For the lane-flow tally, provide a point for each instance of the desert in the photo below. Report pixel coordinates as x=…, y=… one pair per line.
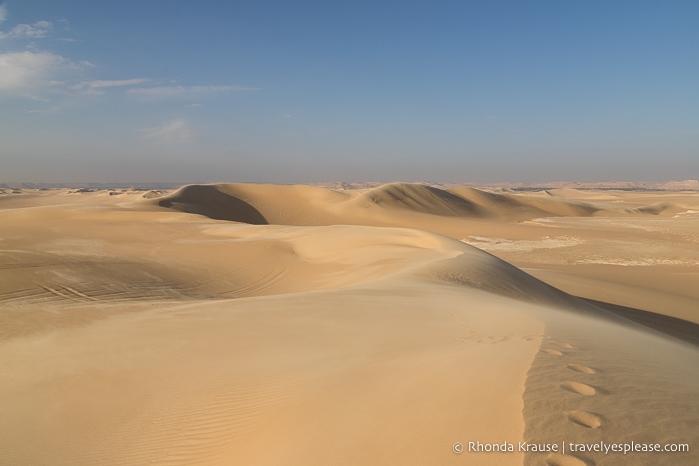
x=273, y=324
x=349, y=233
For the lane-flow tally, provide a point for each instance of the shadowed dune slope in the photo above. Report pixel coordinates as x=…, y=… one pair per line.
x=212, y=202
x=659, y=208
x=258, y=204
x=676, y=328
x=423, y=199
x=482, y=271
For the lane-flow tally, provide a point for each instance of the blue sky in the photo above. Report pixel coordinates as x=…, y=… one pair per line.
x=292, y=92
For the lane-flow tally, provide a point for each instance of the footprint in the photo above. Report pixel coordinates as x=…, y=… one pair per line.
x=580, y=368
x=557, y=459
x=579, y=388
x=552, y=351
x=561, y=344
x=585, y=419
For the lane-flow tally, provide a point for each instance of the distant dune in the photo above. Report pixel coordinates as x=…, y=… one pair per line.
x=303, y=325
x=388, y=204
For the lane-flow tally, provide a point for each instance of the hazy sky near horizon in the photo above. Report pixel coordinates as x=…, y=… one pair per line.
x=305, y=91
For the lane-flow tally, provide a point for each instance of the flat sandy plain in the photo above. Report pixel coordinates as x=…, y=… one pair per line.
x=298, y=325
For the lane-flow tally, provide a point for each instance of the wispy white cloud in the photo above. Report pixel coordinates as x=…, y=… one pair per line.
x=32, y=31
x=193, y=106
x=183, y=90
x=29, y=31
x=33, y=71
x=117, y=82
x=174, y=131
x=97, y=87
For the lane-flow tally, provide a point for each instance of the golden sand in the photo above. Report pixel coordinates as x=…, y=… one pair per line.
x=297, y=325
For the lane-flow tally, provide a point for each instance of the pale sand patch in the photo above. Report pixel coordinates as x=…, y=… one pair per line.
x=640, y=262
x=503, y=244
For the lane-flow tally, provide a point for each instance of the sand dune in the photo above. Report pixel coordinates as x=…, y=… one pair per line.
x=423, y=199
x=261, y=325
x=511, y=206
x=306, y=205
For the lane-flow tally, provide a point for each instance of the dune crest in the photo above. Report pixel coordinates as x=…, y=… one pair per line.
x=393, y=204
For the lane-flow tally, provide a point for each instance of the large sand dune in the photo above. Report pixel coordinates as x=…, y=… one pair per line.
x=306, y=205
x=266, y=325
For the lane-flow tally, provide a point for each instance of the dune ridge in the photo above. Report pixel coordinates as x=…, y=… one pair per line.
x=307, y=205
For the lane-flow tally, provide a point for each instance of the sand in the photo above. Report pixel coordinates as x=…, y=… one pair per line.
x=298, y=325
